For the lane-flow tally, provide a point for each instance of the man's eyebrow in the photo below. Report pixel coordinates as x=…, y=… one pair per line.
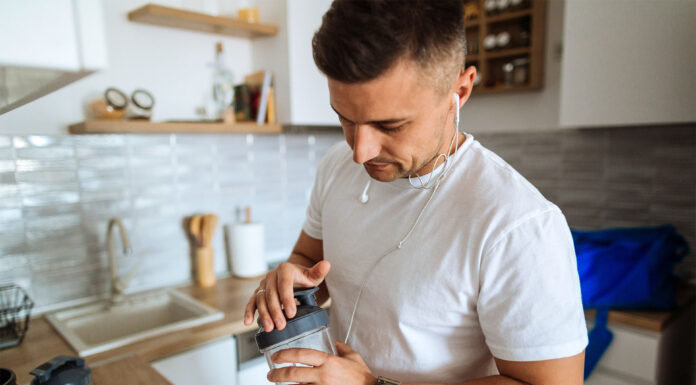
x=377, y=122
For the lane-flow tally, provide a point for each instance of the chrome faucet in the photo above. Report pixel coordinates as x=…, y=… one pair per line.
x=118, y=286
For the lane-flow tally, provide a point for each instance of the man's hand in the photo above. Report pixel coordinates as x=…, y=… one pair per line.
x=277, y=288
x=348, y=368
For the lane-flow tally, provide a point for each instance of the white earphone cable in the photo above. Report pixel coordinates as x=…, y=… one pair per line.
x=438, y=180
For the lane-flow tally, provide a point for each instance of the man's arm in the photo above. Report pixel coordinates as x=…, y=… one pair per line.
x=561, y=371
x=305, y=268
x=348, y=368
x=308, y=252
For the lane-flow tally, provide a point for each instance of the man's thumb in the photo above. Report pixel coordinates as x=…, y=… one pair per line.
x=319, y=271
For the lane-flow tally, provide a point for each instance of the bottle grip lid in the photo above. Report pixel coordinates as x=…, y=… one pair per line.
x=309, y=316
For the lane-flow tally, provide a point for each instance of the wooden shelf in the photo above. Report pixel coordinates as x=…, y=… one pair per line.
x=507, y=52
x=489, y=64
x=147, y=127
x=508, y=16
x=501, y=90
x=471, y=23
x=196, y=21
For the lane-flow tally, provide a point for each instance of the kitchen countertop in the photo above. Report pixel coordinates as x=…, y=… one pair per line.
x=42, y=342
x=131, y=370
x=229, y=295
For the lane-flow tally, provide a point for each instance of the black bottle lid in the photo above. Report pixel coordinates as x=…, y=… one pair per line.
x=62, y=370
x=309, y=316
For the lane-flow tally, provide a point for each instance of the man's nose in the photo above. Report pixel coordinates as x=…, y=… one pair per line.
x=366, y=143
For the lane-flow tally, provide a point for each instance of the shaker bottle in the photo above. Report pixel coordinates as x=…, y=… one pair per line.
x=308, y=329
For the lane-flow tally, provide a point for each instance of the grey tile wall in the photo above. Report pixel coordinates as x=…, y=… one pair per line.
x=57, y=194
x=614, y=177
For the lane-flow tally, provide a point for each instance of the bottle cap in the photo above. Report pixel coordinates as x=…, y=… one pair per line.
x=309, y=317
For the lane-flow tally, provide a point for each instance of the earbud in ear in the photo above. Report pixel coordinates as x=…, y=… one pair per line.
x=456, y=110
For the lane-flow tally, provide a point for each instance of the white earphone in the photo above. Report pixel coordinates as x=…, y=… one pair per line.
x=364, y=198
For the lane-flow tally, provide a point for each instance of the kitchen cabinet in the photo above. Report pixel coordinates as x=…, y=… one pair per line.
x=524, y=26
x=229, y=361
x=214, y=363
x=46, y=44
x=628, y=62
x=638, y=355
x=252, y=368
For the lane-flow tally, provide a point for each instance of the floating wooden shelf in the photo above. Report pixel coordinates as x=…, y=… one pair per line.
x=507, y=52
x=147, y=127
x=501, y=89
x=508, y=16
x=471, y=23
x=196, y=21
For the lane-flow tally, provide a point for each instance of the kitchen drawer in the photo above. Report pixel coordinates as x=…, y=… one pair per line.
x=251, y=364
x=214, y=363
x=633, y=353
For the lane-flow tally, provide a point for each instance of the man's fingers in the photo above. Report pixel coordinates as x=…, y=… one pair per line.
x=250, y=309
x=292, y=374
x=265, y=318
x=319, y=271
x=286, y=273
x=251, y=305
x=342, y=348
x=312, y=276
x=273, y=304
x=346, y=351
x=309, y=357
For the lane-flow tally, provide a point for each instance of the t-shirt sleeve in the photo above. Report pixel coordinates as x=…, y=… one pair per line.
x=313, y=225
x=529, y=304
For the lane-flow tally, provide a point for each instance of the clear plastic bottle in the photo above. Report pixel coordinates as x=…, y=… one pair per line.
x=223, y=83
x=309, y=329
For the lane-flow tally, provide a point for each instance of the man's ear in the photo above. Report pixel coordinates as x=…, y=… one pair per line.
x=465, y=84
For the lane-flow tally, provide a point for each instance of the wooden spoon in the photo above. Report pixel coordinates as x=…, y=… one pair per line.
x=209, y=223
x=195, y=230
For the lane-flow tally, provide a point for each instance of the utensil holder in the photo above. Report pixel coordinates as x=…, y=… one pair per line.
x=203, y=267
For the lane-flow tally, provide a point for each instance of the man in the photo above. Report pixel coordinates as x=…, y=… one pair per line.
x=464, y=272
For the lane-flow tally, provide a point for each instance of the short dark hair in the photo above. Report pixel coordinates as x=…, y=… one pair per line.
x=359, y=40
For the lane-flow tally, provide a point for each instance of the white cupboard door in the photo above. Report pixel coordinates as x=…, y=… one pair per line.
x=211, y=364
x=38, y=33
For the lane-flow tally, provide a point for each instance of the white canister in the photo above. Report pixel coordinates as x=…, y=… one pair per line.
x=245, y=249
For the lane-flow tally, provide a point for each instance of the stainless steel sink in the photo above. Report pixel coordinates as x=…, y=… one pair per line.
x=101, y=326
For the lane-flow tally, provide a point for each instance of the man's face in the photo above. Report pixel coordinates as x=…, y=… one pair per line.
x=396, y=124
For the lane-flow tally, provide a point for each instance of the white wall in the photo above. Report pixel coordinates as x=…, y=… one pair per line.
x=303, y=94
x=309, y=91
x=170, y=63
x=629, y=62
x=530, y=111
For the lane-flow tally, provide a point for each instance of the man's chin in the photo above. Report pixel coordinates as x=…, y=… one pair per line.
x=386, y=175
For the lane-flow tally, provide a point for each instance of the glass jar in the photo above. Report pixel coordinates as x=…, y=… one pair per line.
x=520, y=71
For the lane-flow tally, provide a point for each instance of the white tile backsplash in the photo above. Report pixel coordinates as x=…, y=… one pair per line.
x=57, y=194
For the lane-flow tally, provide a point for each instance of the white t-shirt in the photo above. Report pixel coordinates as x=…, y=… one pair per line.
x=489, y=270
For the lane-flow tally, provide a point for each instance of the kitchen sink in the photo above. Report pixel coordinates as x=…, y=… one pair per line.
x=101, y=326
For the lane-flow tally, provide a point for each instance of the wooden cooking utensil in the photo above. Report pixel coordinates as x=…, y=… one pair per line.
x=203, y=226
x=195, y=230
x=208, y=225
